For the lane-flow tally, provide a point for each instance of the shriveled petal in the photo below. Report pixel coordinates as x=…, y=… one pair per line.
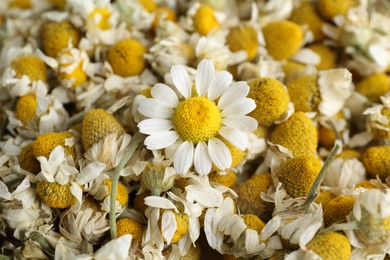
x=90, y=172
x=161, y=140
x=183, y=157
x=219, y=154
x=181, y=80
x=204, y=76
x=219, y=84
x=154, y=125
x=155, y=109
x=168, y=225
x=242, y=123
x=235, y=137
x=207, y=197
x=165, y=94
x=235, y=93
x=243, y=107
x=202, y=160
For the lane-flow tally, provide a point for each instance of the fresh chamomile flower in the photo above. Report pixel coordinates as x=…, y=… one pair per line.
x=327, y=55
x=197, y=119
x=126, y=57
x=374, y=86
x=375, y=160
x=249, y=200
x=306, y=14
x=298, y=175
x=305, y=137
x=330, y=8
x=283, y=39
x=57, y=36
x=97, y=123
x=271, y=98
x=243, y=37
x=336, y=210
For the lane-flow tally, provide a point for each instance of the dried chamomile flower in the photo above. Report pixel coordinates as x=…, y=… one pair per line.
x=376, y=161
x=25, y=109
x=229, y=179
x=348, y=154
x=332, y=245
x=324, y=197
x=149, y=5
x=336, y=210
x=326, y=54
x=55, y=195
x=249, y=200
x=28, y=161
x=243, y=37
x=122, y=196
x=283, y=39
x=163, y=13
x=158, y=176
x=205, y=20
x=331, y=8
x=45, y=144
x=72, y=67
x=126, y=226
x=374, y=86
x=298, y=134
x=30, y=66
x=304, y=93
x=298, y=175
x=306, y=14
x=98, y=123
x=57, y=36
x=271, y=100
x=126, y=57
x=181, y=226
x=139, y=201
x=293, y=70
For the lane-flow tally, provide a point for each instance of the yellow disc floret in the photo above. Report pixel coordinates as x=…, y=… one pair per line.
x=298, y=175
x=163, y=13
x=30, y=66
x=306, y=14
x=324, y=197
x=249, y=200
x=243, y=37
x=182, y=226
x=205, y=20
x=293, y=70
x=228, y=180
x=379, y=132
x=55, y=195
x=57, y=35
x=327, y=56
x=77, y=75
x=367, y=184
x=25, y=108
x=46, y=143
x=126, y=226
x=376, y=159
x=127, y=57
x=374, y=86
x=283, y=39
x=121, y=194
x=331, y=246
x=22, y=4
x=97, y=123
x=348, y=154
x=149, y=5
x=28, y=161
x=271, y=100
x=331, y=8
x=337, y=209
x=100, y=17
x=197, y=119
x=253, y=222
x=304, y=93
x=298, y=134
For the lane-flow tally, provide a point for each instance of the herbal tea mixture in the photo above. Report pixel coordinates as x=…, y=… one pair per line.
x=169, y=129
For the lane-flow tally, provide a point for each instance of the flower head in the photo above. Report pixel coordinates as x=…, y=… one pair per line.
x=205, y=20
x=193, y=120
x=330, y=8
x=376, y=159
x=307, y=14
x=374, y=86
x=331, y=245
x=28, y=161
x=243, y=37
x=55, y=195
x=129, y=226
x=337, y=209
x=25, y=109
x=326, y=54
x=31, y=66
x=45, y=144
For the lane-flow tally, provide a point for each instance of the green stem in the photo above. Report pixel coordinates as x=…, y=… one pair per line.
x=313, y=191
x=43, y=243
x=136, y=139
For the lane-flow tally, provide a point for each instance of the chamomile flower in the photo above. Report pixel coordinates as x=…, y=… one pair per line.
x=379, y=119
x=197, y=118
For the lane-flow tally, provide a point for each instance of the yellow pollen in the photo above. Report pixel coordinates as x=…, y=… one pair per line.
x=22, y=4
x=204, y=20
x=197, y=119
x=30, y=66
x=126, y=226
x=25, y=108
x=55, y=195
x=100, y=17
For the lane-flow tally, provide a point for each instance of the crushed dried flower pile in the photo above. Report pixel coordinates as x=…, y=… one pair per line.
x=175, y=129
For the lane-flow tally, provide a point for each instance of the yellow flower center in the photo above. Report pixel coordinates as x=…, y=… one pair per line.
x=22, y=4
x=30, y=66
x=101, y=15
x=204, y=20
x=197, y=119
x=25, y=108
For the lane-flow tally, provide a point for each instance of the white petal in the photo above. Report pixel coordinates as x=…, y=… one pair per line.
x=154, y=125
x=242, y=123
x=219, y=153
x=204, y=76
x=243, y=107
x=183, y=157
x=219, y=84
x=161, y=140
x=153, y=108
x=202, y=159
x=194, y=229
x=159, y=202
x=235, y=93
x=207, y=197
x=90, y=172
x=235, y=137
x=168, y=225
x=165, y=94
x=115, y=249
x=181, y=80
